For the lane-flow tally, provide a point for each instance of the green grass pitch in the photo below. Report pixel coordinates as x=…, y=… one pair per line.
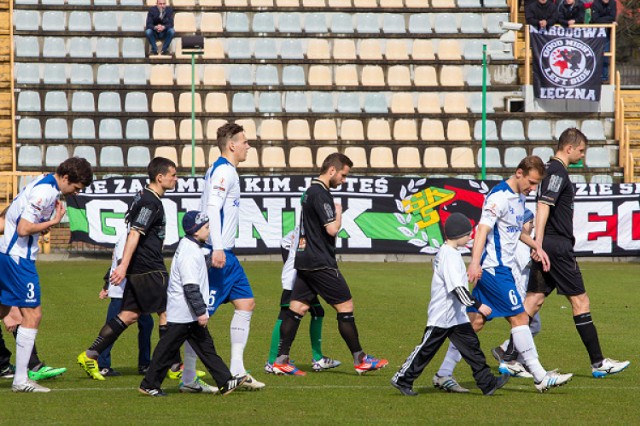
x=391, y=304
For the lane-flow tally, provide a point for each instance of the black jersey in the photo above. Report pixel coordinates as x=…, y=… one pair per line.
x=556, y=190
x=146, y=215
x=316, y=248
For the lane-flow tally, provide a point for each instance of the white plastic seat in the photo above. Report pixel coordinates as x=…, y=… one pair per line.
x=132, y=21
x=473, y=75
x=492, y=158
x=105, y=21
x=289, y=23
x=291, y=49
x=107, y=48
x=81, y=74
x=80, y=47
x=56, y=101
x=82, y=102
x=53, y=20
x=513, y=155
x=53, y=47
x=577, y=178
x=26, y=20
x=315, y=23
x=375, y=103
x=544, y=152
x=241, y=75
x=263, y=23
x=597, y=156
x=270, y=102
x=267, y=75
x=29, y=128
x=237, y=22
x=55, y=155
x=30, y=156
x=473, y=50
x=512, y=130
x=138, y=156
x=243, y=102
x=86, y=152
x=445, y=23
x=468, y=3
x=238, y=48
x=393, y=23
x=349, y=102
x=27, y=73
x=133, y=48
x=110, y=128
x=293, y=75
x=493, y=22
x=56, y=128
x=136, y=102
x=475, y=103
x=602, y=179
x=322, y=102
x=79, y=21
x=135, y=74
x=109, y=102
x=83, y=128
x=562, y=125
x=539, y=130
x=27, y=46
x=491, y=130
x=111, y=156
x=593, y=130
x=28, y=101
x=137, y=128
x=108, y=74
x=341, y=23
x=266, y=48
x=420, y=23
x=500, y=50
x=471, y=23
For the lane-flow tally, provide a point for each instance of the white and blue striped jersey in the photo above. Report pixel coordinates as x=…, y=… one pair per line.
x=503, y=212
x=221, y=201
x=36, y=203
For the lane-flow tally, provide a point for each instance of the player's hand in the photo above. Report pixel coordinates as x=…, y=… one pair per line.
x=218, y=259
x=338, y=209
x=103, y=294
x=60, y=211
x=203, y=320
x=474, y=272
x=542, y=256
x=12, y=320
x=118, y=275
x=485, y=310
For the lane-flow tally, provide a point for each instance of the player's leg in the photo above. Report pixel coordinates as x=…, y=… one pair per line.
x=25, y=341
x=191, y=381
x=319, y=361
x=285, y=299
x=6, y=369
x=104, y=359
x=432, y=340
x=241, y=296
x=145, y=329
x=289, y=329
x=464, y=337
x=163, y=357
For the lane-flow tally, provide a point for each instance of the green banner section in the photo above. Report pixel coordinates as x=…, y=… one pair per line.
x=78, y=219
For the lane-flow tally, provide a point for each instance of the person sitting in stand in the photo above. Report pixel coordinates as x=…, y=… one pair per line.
x=570, y=12
x=160, y=27
x=541, y=14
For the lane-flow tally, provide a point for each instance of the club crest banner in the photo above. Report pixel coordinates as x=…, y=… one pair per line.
x=567, y=62
x=380, y=214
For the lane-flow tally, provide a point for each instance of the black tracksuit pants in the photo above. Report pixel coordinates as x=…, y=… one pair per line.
x=169, y=345
x=464, y=339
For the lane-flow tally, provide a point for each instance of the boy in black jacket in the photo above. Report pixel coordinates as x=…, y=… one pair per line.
x=541, y=14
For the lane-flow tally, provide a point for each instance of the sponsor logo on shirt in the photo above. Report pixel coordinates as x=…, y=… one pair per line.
x=491, y=209
x=328, y=210
x=144, y=216
x=554, y=183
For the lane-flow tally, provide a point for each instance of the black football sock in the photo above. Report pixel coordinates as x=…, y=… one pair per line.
x=288, y=330
x=589, y=335
x=109, y=334
x=34, y=361
x=510, y=354
x=5, y=353
x=349, y=333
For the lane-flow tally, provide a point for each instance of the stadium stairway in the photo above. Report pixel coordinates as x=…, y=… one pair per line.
x=632, y=120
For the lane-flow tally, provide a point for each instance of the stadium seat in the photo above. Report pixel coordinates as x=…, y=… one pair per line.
x=184, y=132
x=185, y=104
x=167, y=152
x=135, y=74
x=352, y=130
x=86, y=152
x=349, y=102
x=108, y=74
x=53, y=20
x=344, y=49
x=562, y=125
x=513, y=155
x=300, y=157
x=341, y=23
x=375, y=103
x=593, y=130
x=271, y=130
x=56, y=128
x=346, y=75
x=27, y=73
x=372, y=75
x=320, y=75
x=432, y=130
x=425, y=75
x=458, y=130
x=163, y=102
x=499, y=50
x=322, y=153
x=53, y=47
x=370, y=49
x=315, y=23
x=544, y=152
x=445, y=23
x=241, y=75
x=602, y=179
x=138, y=157
x=402, y=103
x=184, y=22
x=471, y=23
x=164, y=129
x=27, y=46
x=29, y=156
x=56, y=102
x=597, y=156
x=26, y=20
x=473, y=75
x=136, y=102
x=393, y=23
x=267, y=75
x=293, y=75
x=79, y=47
x=211, y=22
x=263, y=23
x=55, y=155
x=79, y=21
x=449, y=50
x=492, y=157
x=455, y=103
x=81, y=74
x=83, y=128
x=420, y=23
x=493, y=22
x=577, y=178
x=321, y=102
x=29, y=128
x=238, y=48
x=405, y=130
x=289, y=23
x=298, y=130
x=273, y=157
x=161, y=75
x=408, y=157
x=475, y=103
x=214, y=75
x=378, y=130
x=358, y=155
x=318, y=49
x=110, y=128
x=399, y=75
x=512, y=130
x=132, y=21
x=381, y=157
x=105, y=21
x=215, y=124
x=296, y=102
x=184, y=75
x=111, y=156
x=539, y=130
x=216, y=102
x=443, y=4
x=249, y=128
x=435, y=157
x=491, y=131
x=462, y=157
x=109, y=102
x=429, y=103
x=325, y=130
x=473, y=50
x=28, y=101
x=213, y=49
x=187, y=155
x=469, y=3
x=252, y=160
x=291, y=49
x=237, y=22
x=107, y=48
x=422, y=50
x=270, y=102
x=137, y=128
x=451, y=75
x=214, y=154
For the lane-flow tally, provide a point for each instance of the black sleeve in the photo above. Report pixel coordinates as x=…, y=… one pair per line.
x=530, y=15
x=142, y=219
x=466, y=298
x=106, y=279
x=168, y=18
x=553, y=16
x=194, y=299
x=324, y=208
x=150, y=19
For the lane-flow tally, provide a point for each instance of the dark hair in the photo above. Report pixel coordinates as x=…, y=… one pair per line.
x=159, y=166
x=532, y=162
x=226, y=132
x=77, y=170
x=337, y=160
x=571, y=136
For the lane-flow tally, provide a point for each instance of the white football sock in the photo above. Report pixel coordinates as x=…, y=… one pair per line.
x=523, y=342
x=451, y=359
x=504, y=345
x=24, y=345
x=239, y=335
x=189, y=370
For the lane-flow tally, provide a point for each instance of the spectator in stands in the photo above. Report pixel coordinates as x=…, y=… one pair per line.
x=604, y=12
x=541, y=14
x=571, y=12
x=160, y=26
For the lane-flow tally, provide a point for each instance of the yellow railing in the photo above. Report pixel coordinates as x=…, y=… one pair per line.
x=611, y=53
x=9, y=184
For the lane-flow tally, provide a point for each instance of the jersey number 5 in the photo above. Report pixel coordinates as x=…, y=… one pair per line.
x=212, y=298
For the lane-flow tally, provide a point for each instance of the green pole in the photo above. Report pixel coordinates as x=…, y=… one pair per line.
x=484, y=112
x=193, y=114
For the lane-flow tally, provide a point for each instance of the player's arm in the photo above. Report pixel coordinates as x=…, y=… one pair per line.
x=538, y=254
x=29, y=221
x=218, y=192
x=474, y=272
x=542, y=216
x=334, y=227
x=196, y=303
x=463, y=295
x=130, y=247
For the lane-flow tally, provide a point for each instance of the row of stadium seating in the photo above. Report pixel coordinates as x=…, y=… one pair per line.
x=265, y=22
x=302, y=156
x=381, y=4
x=299, y=130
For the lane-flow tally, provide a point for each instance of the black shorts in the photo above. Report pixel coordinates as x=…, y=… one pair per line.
x=328, y=283
x=285, y=299
x=564, y=275
x=146, y=293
